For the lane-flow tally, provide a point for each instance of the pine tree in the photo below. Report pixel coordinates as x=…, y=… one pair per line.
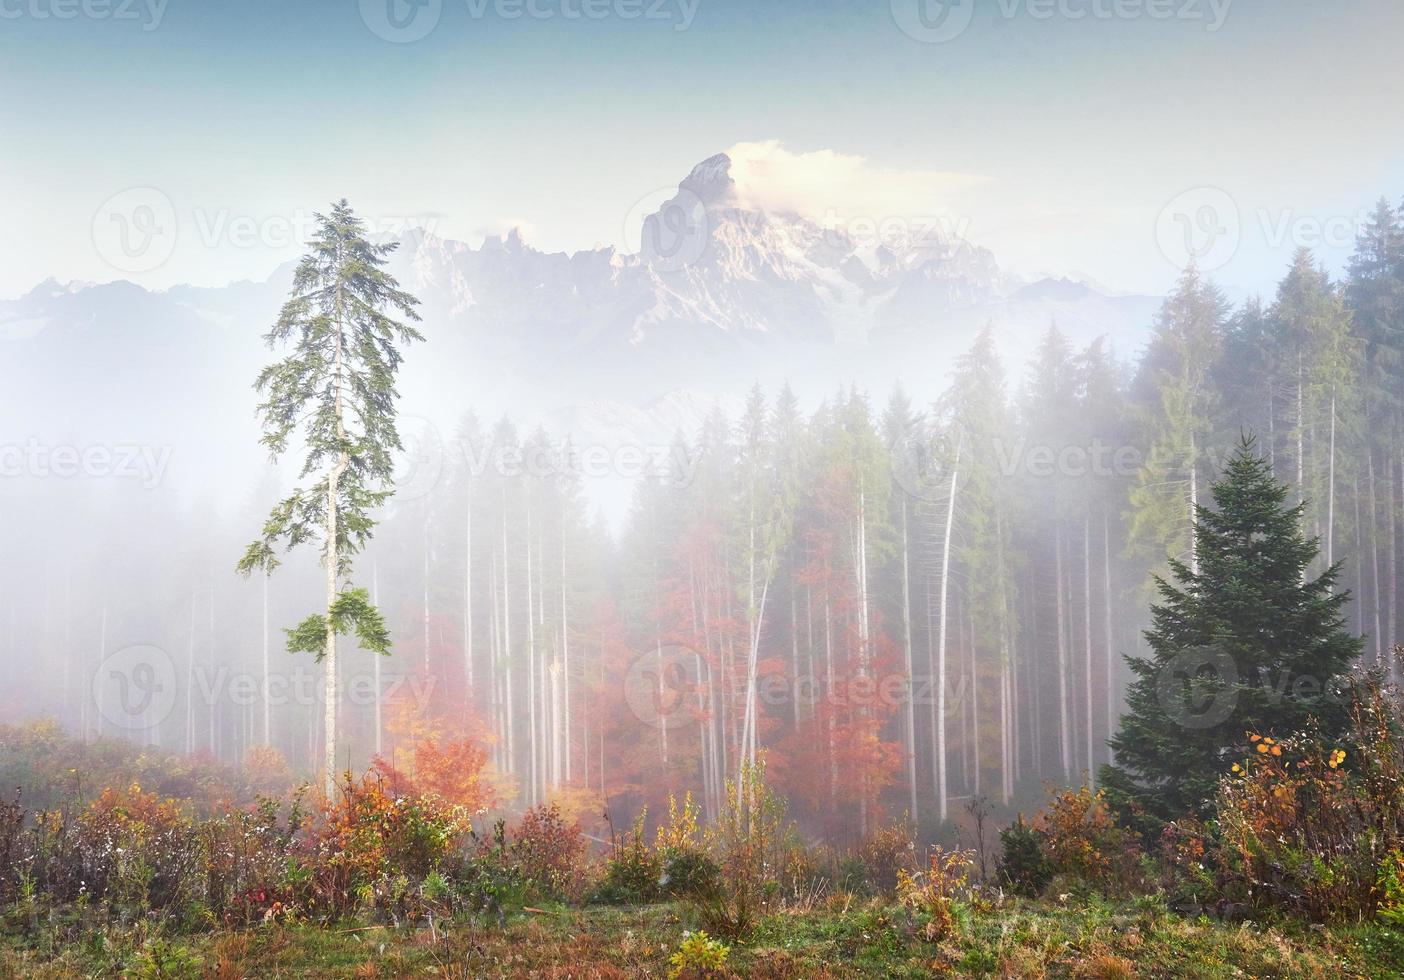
x=337, y=386
x=1245, y=644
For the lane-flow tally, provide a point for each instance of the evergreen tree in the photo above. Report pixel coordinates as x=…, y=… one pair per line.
x=1177, y=407
x=337, y=387
x=1246, y=644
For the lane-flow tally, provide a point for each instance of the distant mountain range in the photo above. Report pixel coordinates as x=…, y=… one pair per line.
x=720, y=296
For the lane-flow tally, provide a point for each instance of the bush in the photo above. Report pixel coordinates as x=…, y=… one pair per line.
x=369, y=843
x=748, y=842
x=550, y=853
x=885, y=854
x=1023, y=866
x=1083, y=841
x=933, y=893
x=1314, y=828
x=698, y=956
x=686, y=867
x=632, y=870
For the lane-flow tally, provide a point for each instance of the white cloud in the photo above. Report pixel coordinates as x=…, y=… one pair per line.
x=829, y=186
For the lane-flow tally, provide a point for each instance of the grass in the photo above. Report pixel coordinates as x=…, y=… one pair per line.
x=848, y=938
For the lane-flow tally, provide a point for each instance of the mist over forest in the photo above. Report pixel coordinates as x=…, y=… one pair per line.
x=697, y=489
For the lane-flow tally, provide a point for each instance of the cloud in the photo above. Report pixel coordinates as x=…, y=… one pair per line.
x=829, y=186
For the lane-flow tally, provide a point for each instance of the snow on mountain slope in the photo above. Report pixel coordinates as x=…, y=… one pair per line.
x=597, y=344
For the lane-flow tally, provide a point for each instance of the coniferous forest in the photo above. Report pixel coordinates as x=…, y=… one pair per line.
x=778, y=587
x=1119, y=623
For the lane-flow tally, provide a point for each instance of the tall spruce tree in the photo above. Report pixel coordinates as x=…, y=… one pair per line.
x=1246, y=644
x=336, y=391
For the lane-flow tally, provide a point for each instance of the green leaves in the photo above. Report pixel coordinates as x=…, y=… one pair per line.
x=335, y=392
x=1246, y=643
x=352, y=612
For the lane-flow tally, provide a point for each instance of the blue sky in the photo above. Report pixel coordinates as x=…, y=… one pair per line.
x=1071, y=124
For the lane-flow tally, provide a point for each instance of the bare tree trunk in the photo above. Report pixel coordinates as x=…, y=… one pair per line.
x=468, y=598
x=425, y=577
x=189, y=688
x=1087, y=647
x=1107, y=631
x=1392, y=610
x=1331, y=488
x=910, y=721
x=533, y=789
x=940, y=761
x=1193, y=506
x=1064, y=736
x=376, y=658
x=1006, y=759
x=1375, y=556
x=507, y=643
x=565, y=653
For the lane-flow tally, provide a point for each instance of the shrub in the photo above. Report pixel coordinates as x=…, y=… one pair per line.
x=748, y=842
x=697, y=957
x=490, y=881
x=886, y=853
x=632, y=870
x=1312, y=827
x=368, y=839
x=550, y=852
x=1023, y=866
x=1083, y=840
x=934, y=892
x=686, y=867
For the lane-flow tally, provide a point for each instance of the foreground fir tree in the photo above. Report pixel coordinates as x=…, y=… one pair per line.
x=336, y=391
x=1247, y=643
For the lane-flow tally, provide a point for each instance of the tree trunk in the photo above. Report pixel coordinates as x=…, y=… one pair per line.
x=468, y=599
x=379, y=686
x=1107, y=630
x=565, y=656
x=1087, y=647
x=1064, y=736
x=940, y=760
x=1193, y=506
x=1331, y=488
x=1375, y=556
x=910, y=720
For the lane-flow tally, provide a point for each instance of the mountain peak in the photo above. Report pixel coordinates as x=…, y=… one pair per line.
x=711, y=179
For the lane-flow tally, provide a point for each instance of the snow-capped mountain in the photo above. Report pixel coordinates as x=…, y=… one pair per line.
x=719, y=296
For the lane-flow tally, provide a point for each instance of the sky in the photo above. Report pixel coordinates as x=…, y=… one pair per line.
x=1105, y=138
